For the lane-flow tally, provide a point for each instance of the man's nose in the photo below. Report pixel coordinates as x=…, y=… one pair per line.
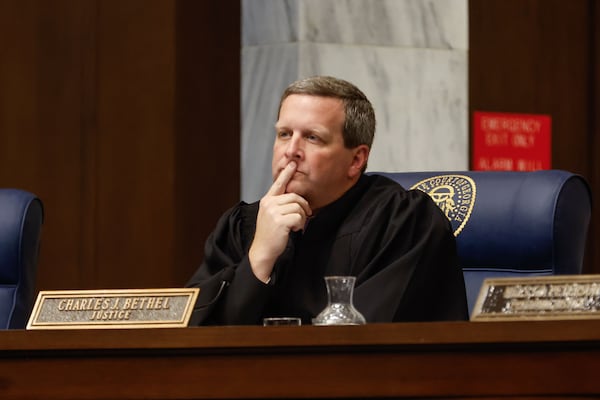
x=294, y=148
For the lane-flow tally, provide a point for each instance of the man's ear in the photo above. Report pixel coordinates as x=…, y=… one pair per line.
x=359, y=160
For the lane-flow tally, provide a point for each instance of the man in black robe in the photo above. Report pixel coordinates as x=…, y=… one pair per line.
x=323, y=216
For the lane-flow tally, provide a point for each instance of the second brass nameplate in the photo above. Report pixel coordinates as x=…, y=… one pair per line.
x=539, y=298
x=109, y=309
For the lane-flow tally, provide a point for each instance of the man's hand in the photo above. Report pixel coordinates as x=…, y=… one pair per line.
x=279, y=214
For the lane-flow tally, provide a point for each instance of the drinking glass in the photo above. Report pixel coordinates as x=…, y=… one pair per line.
x=291, y=321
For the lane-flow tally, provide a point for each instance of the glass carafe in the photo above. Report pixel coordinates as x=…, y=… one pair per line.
x=340, y=309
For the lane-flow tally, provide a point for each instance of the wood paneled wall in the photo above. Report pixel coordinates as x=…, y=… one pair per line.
x=123, y=116
x=594, y=138
x=542, y=57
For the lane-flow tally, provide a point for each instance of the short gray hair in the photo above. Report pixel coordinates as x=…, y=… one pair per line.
x=359, y=121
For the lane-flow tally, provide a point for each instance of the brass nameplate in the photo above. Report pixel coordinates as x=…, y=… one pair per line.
x=112, y=309
x=538, y=298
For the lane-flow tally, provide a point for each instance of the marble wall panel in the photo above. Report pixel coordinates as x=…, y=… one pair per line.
x=399, y=23
x=270, y=21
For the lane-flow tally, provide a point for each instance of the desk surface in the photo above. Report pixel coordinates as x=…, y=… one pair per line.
x=435, y=360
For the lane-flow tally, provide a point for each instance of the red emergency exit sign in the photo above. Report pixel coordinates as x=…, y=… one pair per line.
x=511, y=142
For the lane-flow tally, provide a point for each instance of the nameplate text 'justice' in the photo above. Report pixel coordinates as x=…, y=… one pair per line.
x=115, y=308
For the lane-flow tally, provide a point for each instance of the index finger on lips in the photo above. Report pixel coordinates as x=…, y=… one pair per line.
x=278, y=187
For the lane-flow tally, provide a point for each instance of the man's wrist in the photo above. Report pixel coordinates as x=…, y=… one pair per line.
x=261, y=268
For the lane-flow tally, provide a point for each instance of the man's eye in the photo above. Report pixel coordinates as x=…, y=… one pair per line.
x=313, y=138
x=283, y=135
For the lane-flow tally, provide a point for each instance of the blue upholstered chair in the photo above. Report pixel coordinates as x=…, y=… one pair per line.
x=510, y=224
x=21, y=216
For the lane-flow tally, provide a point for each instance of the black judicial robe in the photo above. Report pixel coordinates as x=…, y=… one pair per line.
x=396, y=242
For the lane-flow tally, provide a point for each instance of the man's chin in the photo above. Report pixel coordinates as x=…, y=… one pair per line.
x=295, y=187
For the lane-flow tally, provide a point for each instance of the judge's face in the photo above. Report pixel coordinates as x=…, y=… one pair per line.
x=309, y=132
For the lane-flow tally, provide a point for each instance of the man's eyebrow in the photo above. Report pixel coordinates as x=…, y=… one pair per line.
x=319, y=130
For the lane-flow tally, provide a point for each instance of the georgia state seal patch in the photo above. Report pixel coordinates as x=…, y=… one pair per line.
x=454, y=195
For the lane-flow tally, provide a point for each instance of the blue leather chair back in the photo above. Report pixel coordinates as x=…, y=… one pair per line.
x=21, y=216
x=510, y=224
